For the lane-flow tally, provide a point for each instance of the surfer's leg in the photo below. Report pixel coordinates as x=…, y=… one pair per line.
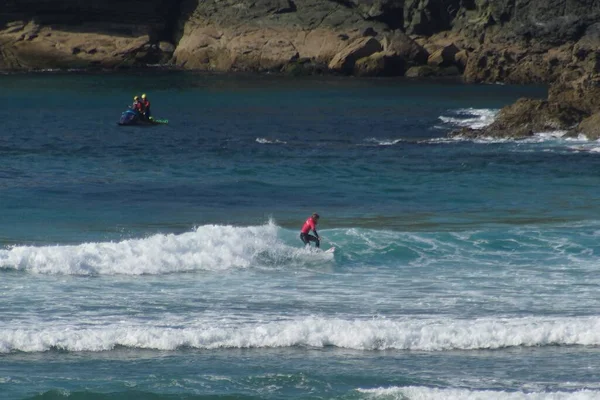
x=314, y=239
x=305, y=239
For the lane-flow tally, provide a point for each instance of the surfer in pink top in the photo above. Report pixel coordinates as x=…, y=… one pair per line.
x=310, y=224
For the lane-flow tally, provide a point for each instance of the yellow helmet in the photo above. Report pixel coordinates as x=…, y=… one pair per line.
x=136, y=98
x=144, y=96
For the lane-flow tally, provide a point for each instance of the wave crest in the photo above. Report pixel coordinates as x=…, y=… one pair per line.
x=380, y=334
x=470, y=117
x=209, y=247
x=416, y=392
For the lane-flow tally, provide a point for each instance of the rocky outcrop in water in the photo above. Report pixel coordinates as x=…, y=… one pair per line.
x=526, y=117
x=527, y=41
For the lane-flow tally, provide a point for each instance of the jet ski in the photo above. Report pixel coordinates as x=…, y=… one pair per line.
x=133, y=117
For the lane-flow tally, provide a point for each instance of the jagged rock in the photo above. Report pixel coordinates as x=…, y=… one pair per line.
x=15, y=26
x=425, y=17
x=369, y=32
x=590, y=126
x=380, y=64
x=344, y=60
x=426, y=71
x=73, y=34
x=443, y=57
x=526, y=117
x=582, y=93
x=460, y=59
x=265, y=34
x=590, y=41
x=403, y=46
x=166, y=47
x=389, y=12
x=304, y=66
x=467, y=133
x=53, y=48
x=511, y=65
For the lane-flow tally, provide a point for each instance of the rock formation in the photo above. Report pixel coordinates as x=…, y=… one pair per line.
x=52, y=34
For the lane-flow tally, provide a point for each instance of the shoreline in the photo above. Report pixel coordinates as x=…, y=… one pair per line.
x=151, y=70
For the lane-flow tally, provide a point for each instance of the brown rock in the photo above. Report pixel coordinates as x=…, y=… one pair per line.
x=49, y=47
x=590, y=127
x=582, y=93
x=425, y=71
x=443, y=57
x=403, y=46
x=528, y=116
x=166, y=47
x=509, y=65
x=589, y=42
x=304, y=66
x=249, y=48
x=344, y=60
x=461, y=58
x=380, y=64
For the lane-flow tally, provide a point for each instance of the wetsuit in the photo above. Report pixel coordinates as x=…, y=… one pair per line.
x=307, y=227
x=146, y=103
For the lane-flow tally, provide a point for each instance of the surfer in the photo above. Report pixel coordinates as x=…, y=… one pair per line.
x=310, y=224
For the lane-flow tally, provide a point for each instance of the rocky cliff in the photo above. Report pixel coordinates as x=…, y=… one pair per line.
x=503, y=40
x=514, y=41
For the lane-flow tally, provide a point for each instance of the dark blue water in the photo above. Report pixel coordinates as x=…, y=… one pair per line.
x=164, y=261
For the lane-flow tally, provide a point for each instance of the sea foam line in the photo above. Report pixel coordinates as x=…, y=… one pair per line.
x=380, y=334
x=270, y=141
x=383, y=142
x=422, y=393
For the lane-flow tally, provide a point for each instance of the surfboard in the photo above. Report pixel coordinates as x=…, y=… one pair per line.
x=330, y=250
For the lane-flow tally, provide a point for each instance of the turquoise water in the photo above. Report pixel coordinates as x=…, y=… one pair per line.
x=164, y=262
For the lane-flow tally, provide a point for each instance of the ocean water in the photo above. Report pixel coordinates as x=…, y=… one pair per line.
x=164, y=262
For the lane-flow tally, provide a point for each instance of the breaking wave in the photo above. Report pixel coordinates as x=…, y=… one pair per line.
x=379, y=334
x=474, y=118
x=419, y=393
x=209, y=247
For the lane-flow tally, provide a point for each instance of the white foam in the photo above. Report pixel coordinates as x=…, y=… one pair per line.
x=425, y=393
x=209, y=247
x=475, y=118
x=373, y=334
x=383, y=142
x=539, y=137
x=270, y=141
x=588, y=148
x=546, y=136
